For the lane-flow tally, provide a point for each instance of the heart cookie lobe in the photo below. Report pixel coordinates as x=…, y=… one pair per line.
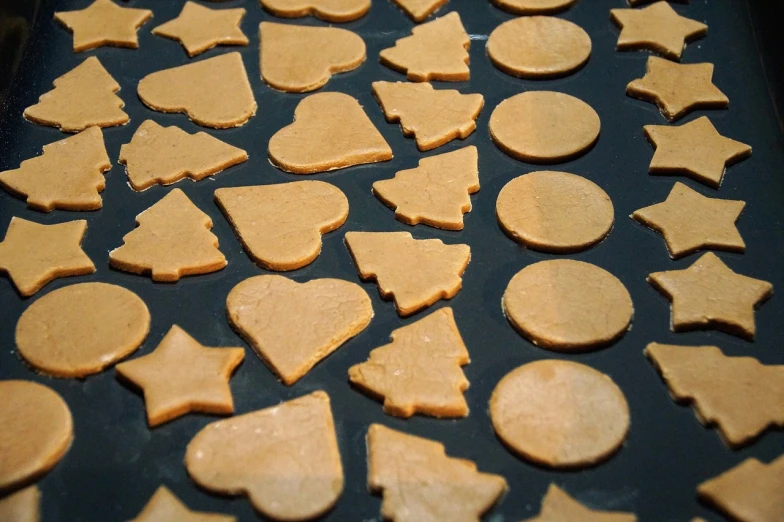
x=327, y=10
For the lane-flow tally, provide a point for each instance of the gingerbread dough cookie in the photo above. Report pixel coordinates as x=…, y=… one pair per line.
x=418, y=10
x=284, y=458
x=200, y=28
x=22, y=506
x=104, y=23
x=330, y=131
x=532, y=7
x=165, y=506
x=280, y=226
x=558, y=506
x=656, y=27
x=327, y=10
x=554, y=212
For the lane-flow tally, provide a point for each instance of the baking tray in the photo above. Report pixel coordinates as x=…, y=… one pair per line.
x=116, y=462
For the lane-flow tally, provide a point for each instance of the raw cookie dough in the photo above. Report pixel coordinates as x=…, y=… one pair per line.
x=271, y=311
x=532, y=7
x=559, y=414
x=327, y=10
x=104, y=23
x=22, y=506
x=567, y=306
x=301, y=58
x=200, y=28
x=558, y=506
x=281, y=225
x=330, y=131
x=164, y=506
x=418, y=10
x=544, y=126
x=538, y=47
x=656, y=27
x=284, y=458
x=554, y=212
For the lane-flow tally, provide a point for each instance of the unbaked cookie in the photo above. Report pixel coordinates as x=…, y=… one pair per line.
x=531, y=7
x=327, y=10
x=558, y=506
x=22, y=506
x=418, y=10
x=104, y=23
x=200, y=28
x=164, y=506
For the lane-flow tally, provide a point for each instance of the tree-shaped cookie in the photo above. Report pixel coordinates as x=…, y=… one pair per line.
x=173, y=239
x=418, y=10
x=436, y=193
x=164, y=505
x=414, y=272
x=558, y=506
x=420, y=483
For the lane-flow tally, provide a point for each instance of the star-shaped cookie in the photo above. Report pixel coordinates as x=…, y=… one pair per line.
x=182, y=376
x=33, y=254
x=164, y=505
x=200, y=28
x=690, y=221
x=695, y=149
x=656, y=27
x=678, y=88
x=709, y=294
x=104, y=23
x=557, y=505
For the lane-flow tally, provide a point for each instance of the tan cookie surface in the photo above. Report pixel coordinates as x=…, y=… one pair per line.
x=200, y=28
x=165, y=506
x=301, y=58
x=284, y=458
x=418, y=10
x=414, y=272
x=538, y=47
x=269, y=311
x=436, y=193
x=532, y=7
x=558, y=506
x=281, y=225
x=656, y=27
x=437, y=50
x=214, y=92
x=22, y=506
x=554, y=211
x=559, y=414
x=172, y=239
x=104, y=23
x=544, y=126
x=327, y=10
x=330, y=131
x=433, y=117
x=165, y=155
x=420, y=483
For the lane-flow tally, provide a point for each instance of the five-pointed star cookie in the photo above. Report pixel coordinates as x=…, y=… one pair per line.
x=182, y=376
x=34, y=254
x=690, y=221
x=200, y=28
x=709, y=294
x=695, y=149
x=165, y=506
x=104, y=23
x=656, y=27
x=677, y=88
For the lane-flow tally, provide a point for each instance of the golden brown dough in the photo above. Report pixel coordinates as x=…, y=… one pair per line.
x=327, y=10
x=164, y=506
x=532, y=7
x=104, y=23
x=418, y=10
x=200, y=28
x=558, y=506
x=22, y=506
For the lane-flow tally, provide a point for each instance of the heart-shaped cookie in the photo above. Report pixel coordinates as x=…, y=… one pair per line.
x=292, y=326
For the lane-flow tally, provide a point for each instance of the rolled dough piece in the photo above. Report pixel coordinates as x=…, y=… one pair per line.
x=22, y=506
x=199, y=28
x=532, y=7
x=104, y=23
x=327, y=10
x=418, y=10
x=164, y=506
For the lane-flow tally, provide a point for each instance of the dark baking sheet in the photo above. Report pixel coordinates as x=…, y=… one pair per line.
x=116, y=462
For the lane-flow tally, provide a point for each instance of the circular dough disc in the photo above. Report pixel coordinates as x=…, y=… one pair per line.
x=544, y=126
x=538, y=47
x=529, y=7
x=82, y=329
x=566, y=305
x=554, y=211
x=560, y=414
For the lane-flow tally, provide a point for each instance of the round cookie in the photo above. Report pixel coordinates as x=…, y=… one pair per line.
x=554, y=212
x=82, y=329
x=544, y=126
x=568, y=306
x=529, y=7
x=559, y=414
x=538, y=47
x=37, y=431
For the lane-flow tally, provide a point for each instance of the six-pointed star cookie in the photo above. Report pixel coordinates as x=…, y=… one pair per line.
x=104, y=23
x=677, y=88
x=200, y=28
x=182, y=376
x=695, y=149
x=709, y=294
x=164, y=505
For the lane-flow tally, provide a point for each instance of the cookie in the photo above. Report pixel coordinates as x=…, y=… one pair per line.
x=538, y=47
x=739, y=395
x=418, y=10
x=165, y=155
x=414, y=272
x=22, y=506
x=420, y=482
x=532, y=7
x=200, y=28
x=104, y=23
x=33, y=254
x=709, y=294
x=269, y=312
x=213, y=93
x=544, y=126
x=165, y=506
x=436, y=193
x=568, y=306
x=172, y=239
x=420, y=370
x=301, y=58
x=81, y=98
x=284, y=458
x=79, y=330
x=281, y=226
x=554, y=212
x=559, y=414
x=327, y=10
x=433, y=117
x=657, y=28
x=173, y=389
x=37, y=432
x=330, y=131
x=558, y=506
x=437, y=50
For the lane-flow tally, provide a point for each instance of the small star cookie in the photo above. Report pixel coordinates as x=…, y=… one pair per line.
x=200, y=28
x=104, y=23
x=557, y=506
x=165, y=506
